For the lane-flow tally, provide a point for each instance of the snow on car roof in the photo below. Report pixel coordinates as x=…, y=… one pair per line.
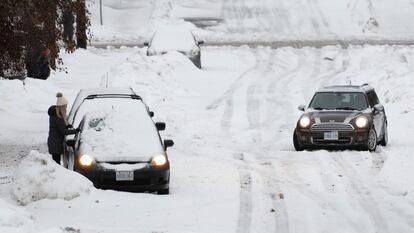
x=83, y=93
x=341, y=88
x=102, y=104
x=178, y=39
x=120, y=132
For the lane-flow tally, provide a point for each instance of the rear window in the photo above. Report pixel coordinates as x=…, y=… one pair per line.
x=339, y=100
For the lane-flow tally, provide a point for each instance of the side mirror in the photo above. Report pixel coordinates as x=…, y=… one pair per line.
x=168, y=143
x=200, y=42
x=160, y=126
x=301, y=107
x=151, y=113
x=71, y=142
x=146, y=43
x=378, y=108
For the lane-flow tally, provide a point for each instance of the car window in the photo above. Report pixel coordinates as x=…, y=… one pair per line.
x=339, y=100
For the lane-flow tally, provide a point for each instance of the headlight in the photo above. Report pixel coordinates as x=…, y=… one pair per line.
x=159, y=160
x=304, y=122
x=86, y=160
x=361, y=121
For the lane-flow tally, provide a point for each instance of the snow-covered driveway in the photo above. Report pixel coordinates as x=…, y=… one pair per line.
x=233, y=167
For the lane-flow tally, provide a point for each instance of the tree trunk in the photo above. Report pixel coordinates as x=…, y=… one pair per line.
x=50, y=32
x=81, y=37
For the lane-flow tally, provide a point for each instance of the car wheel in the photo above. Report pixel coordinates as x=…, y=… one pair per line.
x=384, y=140
x=372, y=140
x=296, y=143
x=164, y=191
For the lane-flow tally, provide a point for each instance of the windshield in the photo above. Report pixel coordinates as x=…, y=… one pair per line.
x=339, y=100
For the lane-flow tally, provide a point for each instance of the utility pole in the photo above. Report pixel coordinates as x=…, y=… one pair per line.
x=100, y=11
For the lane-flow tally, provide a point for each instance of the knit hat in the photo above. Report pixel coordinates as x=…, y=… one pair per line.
x=61, y=101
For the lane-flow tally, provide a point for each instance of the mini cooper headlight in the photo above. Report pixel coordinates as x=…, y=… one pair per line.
x=361, y=122
x=86, y=160
x=159, y=160
x=304, y=121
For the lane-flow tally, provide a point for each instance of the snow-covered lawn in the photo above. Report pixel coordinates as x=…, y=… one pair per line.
x=233, y=166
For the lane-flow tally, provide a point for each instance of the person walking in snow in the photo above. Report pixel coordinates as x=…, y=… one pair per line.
x=58, y=127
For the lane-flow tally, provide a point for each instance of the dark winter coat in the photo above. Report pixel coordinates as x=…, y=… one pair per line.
x=57, y=132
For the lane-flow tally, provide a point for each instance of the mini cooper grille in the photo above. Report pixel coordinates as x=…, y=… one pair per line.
x=332, y=127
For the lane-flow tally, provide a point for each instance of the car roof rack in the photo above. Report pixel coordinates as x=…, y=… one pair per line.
x=94, y=96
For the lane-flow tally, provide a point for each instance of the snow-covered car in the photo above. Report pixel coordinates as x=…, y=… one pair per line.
x=119, y=147
x=175, y=39
x=342, y=117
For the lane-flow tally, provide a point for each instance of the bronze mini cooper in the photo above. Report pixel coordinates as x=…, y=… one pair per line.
x=342, y=117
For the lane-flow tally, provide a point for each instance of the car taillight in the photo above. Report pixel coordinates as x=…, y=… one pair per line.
x=45, y=52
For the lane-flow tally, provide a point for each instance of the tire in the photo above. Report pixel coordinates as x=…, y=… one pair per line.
x=163, y=191
x=384, y=140
x=296, y=143
x=372, y=140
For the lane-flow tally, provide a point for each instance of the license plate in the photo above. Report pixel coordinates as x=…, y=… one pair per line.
x=331, y=136
x=124, y=175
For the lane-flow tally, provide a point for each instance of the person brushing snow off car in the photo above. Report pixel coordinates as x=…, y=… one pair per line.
x=58, y=127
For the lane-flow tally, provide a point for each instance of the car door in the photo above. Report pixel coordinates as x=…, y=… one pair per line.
x=377, y=115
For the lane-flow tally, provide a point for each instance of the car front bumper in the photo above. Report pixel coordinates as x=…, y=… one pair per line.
x=145, y=179
x=354, y=139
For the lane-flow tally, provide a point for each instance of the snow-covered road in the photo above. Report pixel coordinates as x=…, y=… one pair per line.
x=233, y=167
x=256, y=20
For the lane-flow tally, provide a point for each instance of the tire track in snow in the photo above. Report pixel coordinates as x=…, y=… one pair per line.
x=235, y=85
x=253, y=103
x=313, y=21
x=232, y=16
x=253, y=113
x=314, y=4
x=364, y=196
x=246, y=203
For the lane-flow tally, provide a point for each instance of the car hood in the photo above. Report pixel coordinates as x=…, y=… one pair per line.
x=333, y=116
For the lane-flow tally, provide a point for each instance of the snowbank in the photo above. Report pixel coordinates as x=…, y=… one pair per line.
x=12, y=217
x=38, y=177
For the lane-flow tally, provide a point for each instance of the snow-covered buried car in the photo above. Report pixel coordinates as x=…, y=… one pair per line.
x=119, y=146
x=342, y=117
x=175, y=39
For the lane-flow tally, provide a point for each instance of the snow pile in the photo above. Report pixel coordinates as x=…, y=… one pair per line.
x=12, y=217
x=38, y=177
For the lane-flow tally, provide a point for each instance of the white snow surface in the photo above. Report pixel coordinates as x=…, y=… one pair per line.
x=13, y=217
x=233, y=165
x=120, y=131
x=256, y=20
x=38, y=177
